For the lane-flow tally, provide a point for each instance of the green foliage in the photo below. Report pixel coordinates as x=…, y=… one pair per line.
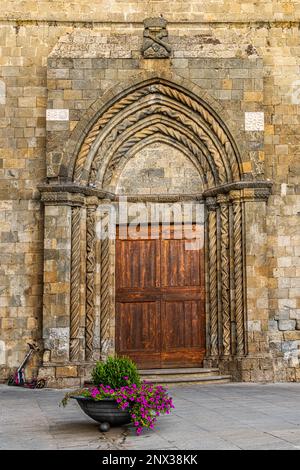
x=116, y=372
x=82, y=392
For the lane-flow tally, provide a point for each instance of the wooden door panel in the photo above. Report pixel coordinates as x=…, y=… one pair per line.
x=171, y=325
x=160, y=300
x=193, y=331
x=137, y=264
x=180, y=267
x=138, y=323
x=181, y=323
x=183, y=342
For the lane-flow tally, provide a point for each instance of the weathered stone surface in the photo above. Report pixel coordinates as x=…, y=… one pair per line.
x=66, y=371
x=285, y=325
x=66, y=65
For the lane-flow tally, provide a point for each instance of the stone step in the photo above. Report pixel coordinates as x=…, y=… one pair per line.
x=185, y=379
x=185, y=370
x=187, y=375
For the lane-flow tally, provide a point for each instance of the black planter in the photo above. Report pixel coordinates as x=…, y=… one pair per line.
x=105, y=412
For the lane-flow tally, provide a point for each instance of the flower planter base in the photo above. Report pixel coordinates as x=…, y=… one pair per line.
x=105, y=412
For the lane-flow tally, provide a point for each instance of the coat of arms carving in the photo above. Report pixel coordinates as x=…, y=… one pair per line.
x=155, y=45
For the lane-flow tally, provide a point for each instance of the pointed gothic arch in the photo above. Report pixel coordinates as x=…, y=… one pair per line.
x=154, y=106
x=126, y=119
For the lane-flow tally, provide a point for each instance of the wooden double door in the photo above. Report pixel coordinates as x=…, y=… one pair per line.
x=160, y=312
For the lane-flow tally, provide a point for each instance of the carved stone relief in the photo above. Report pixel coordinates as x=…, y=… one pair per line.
x=155, y=44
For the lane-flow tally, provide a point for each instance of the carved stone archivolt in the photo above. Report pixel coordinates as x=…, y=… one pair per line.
x=169, y=130
x=178, y=115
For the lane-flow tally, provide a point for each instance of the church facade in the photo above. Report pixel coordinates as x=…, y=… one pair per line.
x=150, y=175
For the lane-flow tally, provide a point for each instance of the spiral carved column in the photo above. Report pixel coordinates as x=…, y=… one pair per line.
x=238, y=271
x=225, y=273
x=212, y=274
x=90, y=281
x=75, y=285
x=105, y=285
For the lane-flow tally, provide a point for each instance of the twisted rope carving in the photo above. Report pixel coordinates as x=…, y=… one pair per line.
x=179, y=117
x=75, y=285
x=100, y=124
x=225, y=278
x=171, y=93
x=238, y=276
x=146, y=132
x=90, y=282
x=213, y=296
x=104, y=291
x=195, y=106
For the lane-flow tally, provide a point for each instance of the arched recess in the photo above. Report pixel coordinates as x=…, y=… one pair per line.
x=146, y=143
x=115, y=128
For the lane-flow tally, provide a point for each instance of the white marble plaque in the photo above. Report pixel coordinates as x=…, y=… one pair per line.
x=254, y=121
x=2, y=92
x=57, y=115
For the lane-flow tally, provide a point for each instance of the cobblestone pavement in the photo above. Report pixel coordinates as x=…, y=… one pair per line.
x=231, y=416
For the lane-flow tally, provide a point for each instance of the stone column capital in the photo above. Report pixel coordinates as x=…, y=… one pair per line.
x=211, y=203
x=222, y=199
x=235, y=196
x=62, y=199
x=91, y=202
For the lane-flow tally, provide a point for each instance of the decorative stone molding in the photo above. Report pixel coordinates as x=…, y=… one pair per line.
x=92, y=204
x=202, y=155
x=235, y=197
x=212, y=276
x=260, y=190
x=61, y=192
x=62, y=199
x=178, y=105
x=225, y=270
x=168, y=198
x=105, y=295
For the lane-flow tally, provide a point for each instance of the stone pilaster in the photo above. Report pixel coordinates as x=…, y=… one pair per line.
x=258, y=365
x=62, y=232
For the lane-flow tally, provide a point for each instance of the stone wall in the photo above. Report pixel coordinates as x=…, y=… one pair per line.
x=159, y=169
x=113, y=11
x=245, y=57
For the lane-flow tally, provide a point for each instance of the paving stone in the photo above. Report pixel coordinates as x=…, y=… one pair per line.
x=231, y=416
